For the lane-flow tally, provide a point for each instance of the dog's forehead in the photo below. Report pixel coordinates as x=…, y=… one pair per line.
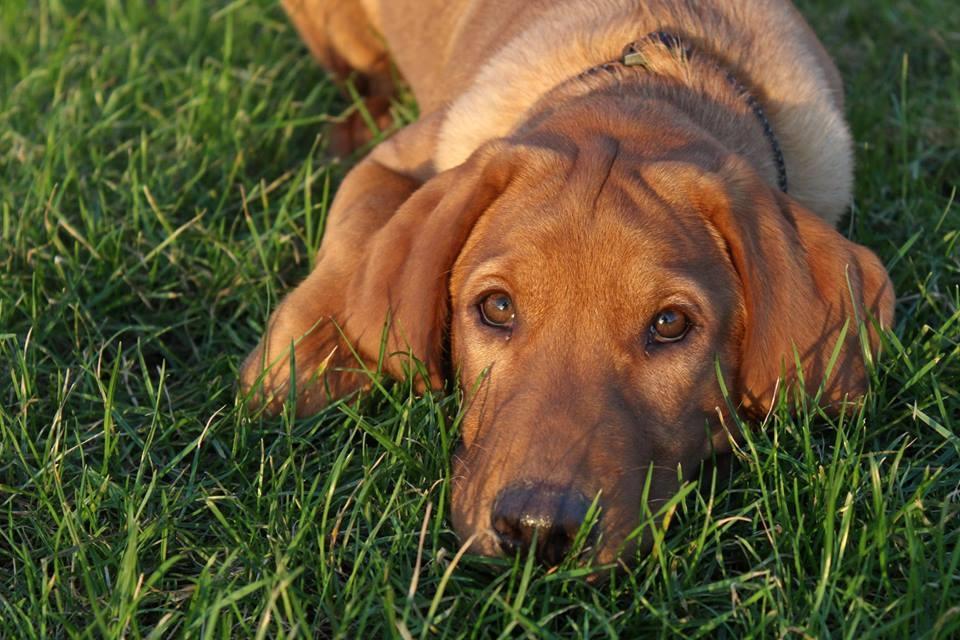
x=581, y=215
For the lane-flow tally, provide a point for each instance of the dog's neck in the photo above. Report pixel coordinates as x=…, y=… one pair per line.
x=645, y=53
x=659, y=82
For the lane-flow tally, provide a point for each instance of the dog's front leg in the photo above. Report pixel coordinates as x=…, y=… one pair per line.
x=303, y=346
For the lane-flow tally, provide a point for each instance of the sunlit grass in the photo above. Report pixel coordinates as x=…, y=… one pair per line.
x=163, y=182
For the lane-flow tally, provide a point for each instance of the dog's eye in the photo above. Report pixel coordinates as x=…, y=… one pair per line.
x=496, y=310
x=670, y=325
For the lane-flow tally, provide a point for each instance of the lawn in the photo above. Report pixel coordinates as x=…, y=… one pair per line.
x=163, y=182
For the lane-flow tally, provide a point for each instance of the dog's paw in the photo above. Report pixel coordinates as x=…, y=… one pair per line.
x=308, y=364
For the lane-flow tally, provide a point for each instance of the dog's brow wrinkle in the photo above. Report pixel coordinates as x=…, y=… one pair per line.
x=606, y=177
x=644, y=467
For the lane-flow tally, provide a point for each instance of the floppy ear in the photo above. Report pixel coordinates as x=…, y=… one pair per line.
x=384, y=262
x=805, y=289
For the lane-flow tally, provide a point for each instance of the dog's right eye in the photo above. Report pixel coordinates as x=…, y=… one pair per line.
x=670, y=325
x=496, y=310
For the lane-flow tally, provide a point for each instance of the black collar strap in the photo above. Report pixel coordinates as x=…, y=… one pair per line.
x=633, y=57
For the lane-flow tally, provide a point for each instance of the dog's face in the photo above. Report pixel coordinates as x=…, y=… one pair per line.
x=591, y=294
x=589, y=308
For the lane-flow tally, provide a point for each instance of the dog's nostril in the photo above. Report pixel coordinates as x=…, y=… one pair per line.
x=553, y=515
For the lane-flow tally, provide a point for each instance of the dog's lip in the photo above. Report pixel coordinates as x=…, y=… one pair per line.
x=481, y=543
x=609, y=549
x=598, y=560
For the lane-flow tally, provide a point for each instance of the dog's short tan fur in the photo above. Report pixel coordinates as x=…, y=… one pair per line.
x=486, y=63
x=595, y=200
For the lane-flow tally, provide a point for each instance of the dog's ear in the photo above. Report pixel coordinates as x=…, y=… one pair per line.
x=383, y=266
x=806, y=290
x=405, y=275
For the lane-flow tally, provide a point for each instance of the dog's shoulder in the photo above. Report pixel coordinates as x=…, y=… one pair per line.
x=767, y=45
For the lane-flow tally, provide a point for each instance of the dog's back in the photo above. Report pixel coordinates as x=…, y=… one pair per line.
x=488, y=61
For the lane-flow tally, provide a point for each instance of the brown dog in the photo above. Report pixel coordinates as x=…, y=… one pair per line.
x=590, y=217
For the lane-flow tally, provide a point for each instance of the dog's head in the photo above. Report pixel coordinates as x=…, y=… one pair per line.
x=586, y=293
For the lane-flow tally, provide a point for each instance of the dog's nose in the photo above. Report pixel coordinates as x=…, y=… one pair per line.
x=553, y=514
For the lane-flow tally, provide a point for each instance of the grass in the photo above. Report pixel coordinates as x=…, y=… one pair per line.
x=163, y=182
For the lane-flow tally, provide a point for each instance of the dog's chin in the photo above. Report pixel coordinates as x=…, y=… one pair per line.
x=612, y=549
x=614, y=553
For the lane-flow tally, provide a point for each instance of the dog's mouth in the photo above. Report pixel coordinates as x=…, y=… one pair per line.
x=556, y=525
x=559, y=515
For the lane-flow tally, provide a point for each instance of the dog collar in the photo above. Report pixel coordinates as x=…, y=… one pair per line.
x=632, y=56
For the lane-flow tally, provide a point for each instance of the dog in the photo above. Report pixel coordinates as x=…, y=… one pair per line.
x=606, y=209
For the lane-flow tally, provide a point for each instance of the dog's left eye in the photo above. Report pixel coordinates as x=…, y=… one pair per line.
x=496, y=310
x=670, y=325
